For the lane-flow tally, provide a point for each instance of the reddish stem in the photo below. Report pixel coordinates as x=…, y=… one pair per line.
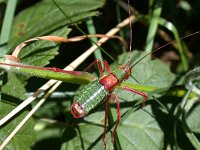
x=79, y=73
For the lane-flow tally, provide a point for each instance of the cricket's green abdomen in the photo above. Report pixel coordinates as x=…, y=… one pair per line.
x=88, y=97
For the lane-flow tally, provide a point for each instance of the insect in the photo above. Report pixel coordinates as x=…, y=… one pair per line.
x=100, y=91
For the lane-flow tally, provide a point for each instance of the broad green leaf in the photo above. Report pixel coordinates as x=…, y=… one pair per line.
x=86, y=135
x=24, y=138
x=141, y=131
x=13, y=93
x=44, y=17
x=149, y=74
x=14, y=87
x=39, y=53
x=146, y=73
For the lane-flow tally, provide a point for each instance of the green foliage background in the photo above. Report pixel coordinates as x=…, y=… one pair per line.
x=167, y=121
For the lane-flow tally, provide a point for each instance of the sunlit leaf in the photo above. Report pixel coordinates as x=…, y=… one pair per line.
x=44, y=17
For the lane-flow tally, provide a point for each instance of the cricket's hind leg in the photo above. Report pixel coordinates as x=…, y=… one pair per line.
x=106, y=117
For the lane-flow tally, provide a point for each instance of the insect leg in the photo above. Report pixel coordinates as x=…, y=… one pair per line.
x=105, y=121
x=118, y=116
x=101, y=69
x=137, y=92
x=106, y=118
x=98, y=62
x=107, y=67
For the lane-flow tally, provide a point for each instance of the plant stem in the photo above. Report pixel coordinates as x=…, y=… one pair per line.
x=7, y=23
x=153, y=26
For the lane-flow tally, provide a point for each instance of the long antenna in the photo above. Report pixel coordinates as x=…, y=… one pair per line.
x=155, y=50
x=131, y=36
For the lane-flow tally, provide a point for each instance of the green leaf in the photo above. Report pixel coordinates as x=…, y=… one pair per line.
x=141, y=126
x=13, y=93
x=40, y=52
x=147, y=75
x=25, y=137
x=141, y=131
x=44, y=17
x=14, y=86
x=86, y=135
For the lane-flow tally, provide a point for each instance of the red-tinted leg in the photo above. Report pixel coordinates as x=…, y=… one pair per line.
x=106, y=118
x=105, y=122
x=137, y=92
x=98, y=62
x=107, y=67
x=118, y=117
x=101, y=69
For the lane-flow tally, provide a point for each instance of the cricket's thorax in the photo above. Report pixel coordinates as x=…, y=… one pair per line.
x=109, y=81
x=112, y=79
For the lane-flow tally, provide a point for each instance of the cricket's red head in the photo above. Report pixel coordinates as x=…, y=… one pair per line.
x=77, y=110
